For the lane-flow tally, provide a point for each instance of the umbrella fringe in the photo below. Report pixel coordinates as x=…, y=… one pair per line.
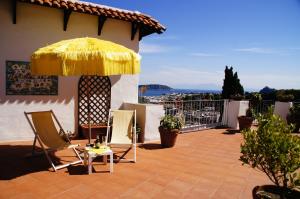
x=85, y=56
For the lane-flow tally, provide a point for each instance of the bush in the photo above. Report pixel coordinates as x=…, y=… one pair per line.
x=250, y=112
x=273, y=149
x=255, y=99
x=294, y=117
x=272, y=94
x=237, y=97
x=171, y=122
x=285, y=97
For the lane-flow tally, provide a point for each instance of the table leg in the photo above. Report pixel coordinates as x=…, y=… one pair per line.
x=85, y=158
x=111, y=162
x=89, y=163
x=105, y=159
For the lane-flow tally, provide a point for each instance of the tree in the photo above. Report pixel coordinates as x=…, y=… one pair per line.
x=232, y=85
x=238, y=88
x=273, y=149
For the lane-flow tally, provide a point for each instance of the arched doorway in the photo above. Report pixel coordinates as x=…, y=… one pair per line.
x=94, y=96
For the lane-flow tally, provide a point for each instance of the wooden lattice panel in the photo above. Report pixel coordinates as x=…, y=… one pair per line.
x=94, y=94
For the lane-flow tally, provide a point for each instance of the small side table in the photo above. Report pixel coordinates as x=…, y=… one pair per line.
x=91, y=153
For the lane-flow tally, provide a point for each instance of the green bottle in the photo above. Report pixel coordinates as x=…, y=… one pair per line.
x=97, y=142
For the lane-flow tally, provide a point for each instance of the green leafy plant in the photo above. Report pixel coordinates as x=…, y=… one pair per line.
x=294, y=117
x=237, y=97
x=250, y=113
x=171, y=122
x=285, y=97
x=273, y=149
x=255, y=100
x=138, y=129
x=295, y=110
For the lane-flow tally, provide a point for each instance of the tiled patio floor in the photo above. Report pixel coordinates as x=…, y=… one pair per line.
x=202, y=165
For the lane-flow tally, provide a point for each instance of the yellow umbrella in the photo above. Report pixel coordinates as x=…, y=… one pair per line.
x=84, y=56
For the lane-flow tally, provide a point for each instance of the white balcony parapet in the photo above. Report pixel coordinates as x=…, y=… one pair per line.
x=282, y=109
x=235, y=109
x=148, y=117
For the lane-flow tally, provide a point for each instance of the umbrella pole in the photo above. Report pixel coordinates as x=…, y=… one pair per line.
x=89, y=111
x=90, y=128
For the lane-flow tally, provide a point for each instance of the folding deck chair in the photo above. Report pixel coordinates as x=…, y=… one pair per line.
x=123, y=132
x=50, y=136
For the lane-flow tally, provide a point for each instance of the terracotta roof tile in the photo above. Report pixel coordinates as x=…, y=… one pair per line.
x=147, y=24
x=57, y=4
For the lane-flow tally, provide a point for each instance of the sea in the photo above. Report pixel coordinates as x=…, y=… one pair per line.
x=159, y=92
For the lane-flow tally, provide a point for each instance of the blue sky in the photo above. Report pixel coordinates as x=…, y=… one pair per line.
x=259, y=38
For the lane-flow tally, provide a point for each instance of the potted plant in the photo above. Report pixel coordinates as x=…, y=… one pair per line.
x=273, y=150
x=140, y=134
x=245, y=121
x=169, y=129
x=237, y=97
x=294, y=117
x=255, y=100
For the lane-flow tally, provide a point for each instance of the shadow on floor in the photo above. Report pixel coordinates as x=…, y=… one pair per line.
x=16, y=162
x=231, y=132
x=77, y=170
x=151, y=146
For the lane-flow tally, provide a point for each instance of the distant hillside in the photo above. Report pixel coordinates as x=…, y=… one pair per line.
x=267, y=90
x=156, y=87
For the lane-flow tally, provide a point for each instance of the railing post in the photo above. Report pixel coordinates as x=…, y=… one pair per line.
x=225, y=112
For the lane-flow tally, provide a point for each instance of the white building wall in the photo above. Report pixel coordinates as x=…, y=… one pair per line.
x=148, y=118
x=282, y=109
x=39, y=26
x=236, y=109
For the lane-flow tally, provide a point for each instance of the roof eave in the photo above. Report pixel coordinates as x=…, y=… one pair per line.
x=95, y=9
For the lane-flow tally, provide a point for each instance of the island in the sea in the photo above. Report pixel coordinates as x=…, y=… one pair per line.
x=155, y=87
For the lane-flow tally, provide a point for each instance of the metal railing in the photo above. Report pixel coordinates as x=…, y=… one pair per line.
x=262, y=107
x=296, y=103
x=196, y=114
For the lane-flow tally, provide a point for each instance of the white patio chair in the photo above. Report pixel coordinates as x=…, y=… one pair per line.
x=123, y=132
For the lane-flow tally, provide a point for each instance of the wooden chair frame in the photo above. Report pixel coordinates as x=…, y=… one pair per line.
x=133, y=145
x=61, y=131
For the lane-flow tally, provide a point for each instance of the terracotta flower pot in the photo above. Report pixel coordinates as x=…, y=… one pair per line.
x=141, y=137
x=274, y=192
x=168, y=137
x=245, y=122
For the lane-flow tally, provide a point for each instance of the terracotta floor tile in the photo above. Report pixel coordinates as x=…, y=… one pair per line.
x=199, y=192
x=144, y=190
x=228, y=190
x=162, y=180
x=202, y=164
x=8, y=192
x=80, y=191
x=26, y=195
x=178, y=188
x=166, y=194
x=185, y=177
